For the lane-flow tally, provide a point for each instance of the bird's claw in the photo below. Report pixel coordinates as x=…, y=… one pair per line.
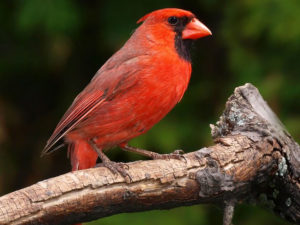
x=117, y=168
x=177, y=154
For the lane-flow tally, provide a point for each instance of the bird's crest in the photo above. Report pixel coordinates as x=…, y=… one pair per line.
x=166, y=13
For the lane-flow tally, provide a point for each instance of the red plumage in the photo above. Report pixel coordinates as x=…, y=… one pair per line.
x=133, y=90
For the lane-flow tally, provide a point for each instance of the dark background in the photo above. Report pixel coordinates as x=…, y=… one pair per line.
x=49, y=50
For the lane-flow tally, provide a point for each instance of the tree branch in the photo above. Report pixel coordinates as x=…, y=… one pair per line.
x=253, y=159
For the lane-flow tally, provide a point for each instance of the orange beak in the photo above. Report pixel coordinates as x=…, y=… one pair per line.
x=195, y=29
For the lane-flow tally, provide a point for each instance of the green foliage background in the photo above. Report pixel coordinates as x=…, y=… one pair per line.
x=50, y=49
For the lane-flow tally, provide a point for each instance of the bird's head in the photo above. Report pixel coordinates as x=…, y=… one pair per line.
x=174, y=24
x=178, y=20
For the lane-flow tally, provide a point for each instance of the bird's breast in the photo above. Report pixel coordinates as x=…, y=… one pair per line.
x=160, y=89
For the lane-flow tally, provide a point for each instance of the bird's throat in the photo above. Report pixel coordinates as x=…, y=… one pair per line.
x=183, y=47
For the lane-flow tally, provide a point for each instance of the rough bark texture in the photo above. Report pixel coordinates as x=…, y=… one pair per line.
x=253, y=159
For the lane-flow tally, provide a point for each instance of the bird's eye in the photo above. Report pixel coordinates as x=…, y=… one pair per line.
x=173, y=20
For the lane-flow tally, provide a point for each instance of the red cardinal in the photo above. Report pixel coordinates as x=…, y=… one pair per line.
x=132, y=91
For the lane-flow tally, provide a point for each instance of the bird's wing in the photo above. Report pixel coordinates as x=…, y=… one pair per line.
x=80, y=108
x=104, y=86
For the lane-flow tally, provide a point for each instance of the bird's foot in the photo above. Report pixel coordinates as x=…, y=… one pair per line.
x=116, y=168
x=177, y=154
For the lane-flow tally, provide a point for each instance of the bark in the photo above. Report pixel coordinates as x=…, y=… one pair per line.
x=254, y=159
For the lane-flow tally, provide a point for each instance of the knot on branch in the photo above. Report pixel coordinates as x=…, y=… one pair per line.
x=212, y=180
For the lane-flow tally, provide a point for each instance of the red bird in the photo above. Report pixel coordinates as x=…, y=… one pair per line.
x=132, y=91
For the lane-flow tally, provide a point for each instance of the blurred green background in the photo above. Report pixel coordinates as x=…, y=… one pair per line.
x=50, y=49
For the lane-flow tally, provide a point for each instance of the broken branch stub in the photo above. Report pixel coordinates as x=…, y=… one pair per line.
x=247, y=114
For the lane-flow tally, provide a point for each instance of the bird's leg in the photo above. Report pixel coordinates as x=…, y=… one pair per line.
x=114, y=167
x=177, y=154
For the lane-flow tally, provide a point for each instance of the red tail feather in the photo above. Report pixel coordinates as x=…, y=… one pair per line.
x=82, y=155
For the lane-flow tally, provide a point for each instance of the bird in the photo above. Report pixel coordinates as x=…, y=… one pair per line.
x=131, y=92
